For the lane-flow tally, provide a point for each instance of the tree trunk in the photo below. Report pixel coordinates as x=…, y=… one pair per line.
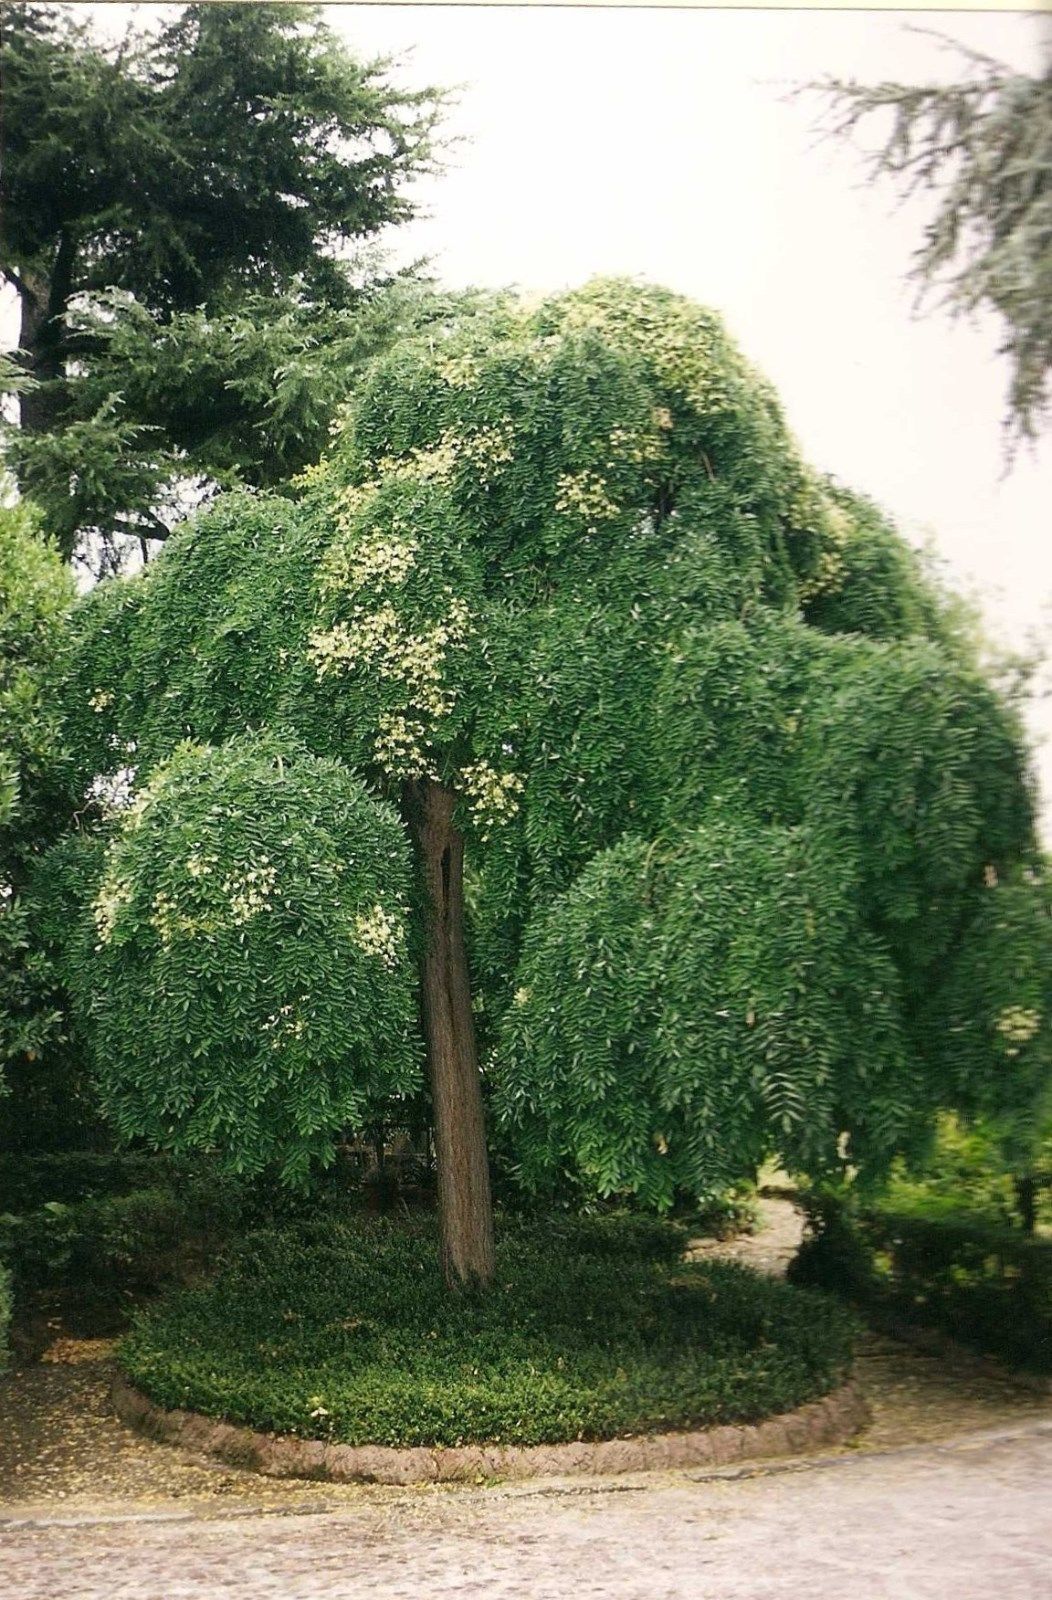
x=1026, y=1202
x=42, y=334
x=465, y=1207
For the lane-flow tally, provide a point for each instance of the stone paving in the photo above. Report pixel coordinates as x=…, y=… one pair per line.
x=943, y=1498
x=965, y=1521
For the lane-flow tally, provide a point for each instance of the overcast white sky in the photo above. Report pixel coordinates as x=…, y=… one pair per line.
x=663, y=143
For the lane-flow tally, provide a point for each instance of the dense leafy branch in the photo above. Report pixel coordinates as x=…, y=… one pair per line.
x=185, y=218
x=729, y=784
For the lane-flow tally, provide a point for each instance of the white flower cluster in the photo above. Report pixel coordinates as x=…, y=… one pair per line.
x=816, y=511
x=251, y=890
x=631, y=444
x=482, y=449
x=1018, y=1024
x=680, y=347
x=493, y=796
x=100, y=700
x=400, y=746
x=486, y=451
x=167, y=919
x=426, y=464
x=380, y=642
x=378, y=557
x=379, y=934
x=283, y=1025
x=584, y=495
x=434, y=463
x=110, y=901
x=460, y=372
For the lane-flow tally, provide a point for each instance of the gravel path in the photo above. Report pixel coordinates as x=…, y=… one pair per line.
x=943, y=1497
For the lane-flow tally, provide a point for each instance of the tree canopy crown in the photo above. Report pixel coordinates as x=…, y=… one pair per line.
x=718, y=752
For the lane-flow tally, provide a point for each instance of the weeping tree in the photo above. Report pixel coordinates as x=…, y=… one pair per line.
x=700, y=781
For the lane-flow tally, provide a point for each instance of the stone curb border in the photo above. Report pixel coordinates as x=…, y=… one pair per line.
x=831, y=1420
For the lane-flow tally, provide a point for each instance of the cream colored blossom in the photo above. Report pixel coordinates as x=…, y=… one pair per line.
x=631, y=444
x=164, y=916
x=485, y=451
x=379, y=558
x=493, y=796
x=460, y=372
x=110, y=901
x=1018, y=1024
x=284, y=1025
x=251, y=890
x=379, y=934
x=584, y=494
x=814, y=511
x=379, y=641
x=400, y=746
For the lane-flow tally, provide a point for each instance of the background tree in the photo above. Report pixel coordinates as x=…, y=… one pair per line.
x=692, y=863
x=180, y=218
x=994, y=1006
x=985, y=146
x=35, y=595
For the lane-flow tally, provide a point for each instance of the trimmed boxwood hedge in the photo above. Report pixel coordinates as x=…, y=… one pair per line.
x=987, y=1287
x=344, y=1331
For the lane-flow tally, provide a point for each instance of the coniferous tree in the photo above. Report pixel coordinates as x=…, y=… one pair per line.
x=983, y=147
x=180, y=217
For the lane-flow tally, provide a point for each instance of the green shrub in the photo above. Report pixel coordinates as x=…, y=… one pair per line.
x=967, y=1174
x=988, y=1287
x=6, y=1307
x=346, y=1332
x=121, y=1239
x=29, y=1180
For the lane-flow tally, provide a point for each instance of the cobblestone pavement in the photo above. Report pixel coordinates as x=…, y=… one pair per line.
x=943, y=1498
x=966, y=1520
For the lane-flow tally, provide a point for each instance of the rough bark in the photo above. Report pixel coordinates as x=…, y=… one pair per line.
x=465, y=1207
x=44, y=298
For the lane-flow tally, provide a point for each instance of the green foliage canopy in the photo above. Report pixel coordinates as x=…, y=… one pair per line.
x=182, y=212
x=729, y=773
x=36, y=594
x=251, y=988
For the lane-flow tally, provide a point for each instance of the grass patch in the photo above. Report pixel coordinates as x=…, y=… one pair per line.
x=343, y=1331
